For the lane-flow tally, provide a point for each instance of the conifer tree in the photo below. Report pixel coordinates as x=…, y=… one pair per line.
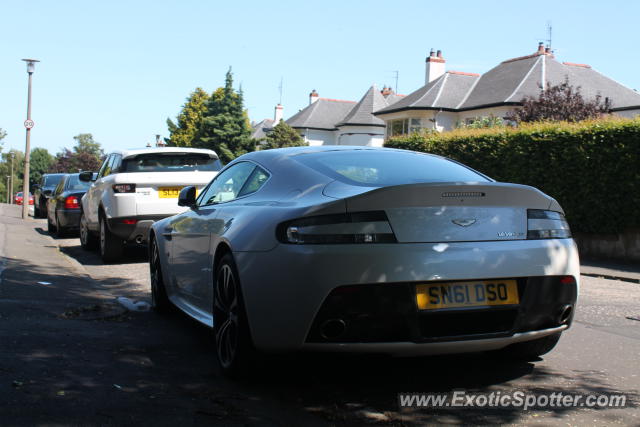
x=225, y=127
x=189, y=121
x=283, y=136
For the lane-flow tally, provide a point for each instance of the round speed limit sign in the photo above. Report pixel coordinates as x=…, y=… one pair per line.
x=29, y=124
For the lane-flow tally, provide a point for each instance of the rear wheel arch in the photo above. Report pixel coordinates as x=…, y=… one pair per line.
x=222, y=249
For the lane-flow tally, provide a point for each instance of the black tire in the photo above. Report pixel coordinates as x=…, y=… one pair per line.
x=111, y=246
x=38, y=212
x=234, y=347
x=159, y=299
x=88, y=240
x=60, y=231
x=51, y=229
x=531, y=350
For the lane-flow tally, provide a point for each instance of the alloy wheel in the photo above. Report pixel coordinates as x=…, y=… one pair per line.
x=225, y=305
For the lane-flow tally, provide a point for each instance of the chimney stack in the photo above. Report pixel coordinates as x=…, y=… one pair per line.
x=313, y=97
x=278, y=114
x=386, y=91
x=160, y=142
x=540, y=48
x=435, y=66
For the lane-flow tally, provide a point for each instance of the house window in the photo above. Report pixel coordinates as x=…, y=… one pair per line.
x=415, y=125
x=403, y=127
x=399, y=127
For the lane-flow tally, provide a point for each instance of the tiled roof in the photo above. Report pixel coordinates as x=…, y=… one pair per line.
x=259, y=130
x=510, y=82
x=362, y=113
x=322, y=114
x=445, y=92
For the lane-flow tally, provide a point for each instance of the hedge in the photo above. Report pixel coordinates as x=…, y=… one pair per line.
x=592, y=168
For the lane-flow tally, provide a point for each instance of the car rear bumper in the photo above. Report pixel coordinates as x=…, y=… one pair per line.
x=69, y=218
x=284, y=289
x=137, y=231
x=428, y=349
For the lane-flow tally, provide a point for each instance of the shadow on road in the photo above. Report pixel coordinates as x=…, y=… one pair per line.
x=133, y=254
x=142, y=368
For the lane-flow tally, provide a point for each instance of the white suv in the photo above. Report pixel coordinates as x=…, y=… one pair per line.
x=135, y=188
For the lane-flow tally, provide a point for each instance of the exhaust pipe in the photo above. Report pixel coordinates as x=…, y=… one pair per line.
x=565, y=314
x=139, y=239
x=332, y=329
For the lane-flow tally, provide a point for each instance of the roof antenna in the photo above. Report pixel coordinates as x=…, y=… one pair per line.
x=397, y=75
x=549, y=33
x=280, y=89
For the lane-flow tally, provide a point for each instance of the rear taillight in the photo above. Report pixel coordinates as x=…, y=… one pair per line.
x=543, y=224
x=361, y=227
x=124, y=188
x=71, y=202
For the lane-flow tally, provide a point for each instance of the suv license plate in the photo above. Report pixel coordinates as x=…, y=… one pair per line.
x=169, y=192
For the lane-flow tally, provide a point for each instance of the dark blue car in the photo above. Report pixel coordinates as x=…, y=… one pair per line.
x=63, y=206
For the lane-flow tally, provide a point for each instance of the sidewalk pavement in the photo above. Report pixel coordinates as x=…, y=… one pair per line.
x=615, y=270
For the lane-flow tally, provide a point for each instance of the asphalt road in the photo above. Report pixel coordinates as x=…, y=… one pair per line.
x=71, y=355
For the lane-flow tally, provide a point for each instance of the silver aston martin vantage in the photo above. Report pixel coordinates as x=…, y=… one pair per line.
x=359, y=249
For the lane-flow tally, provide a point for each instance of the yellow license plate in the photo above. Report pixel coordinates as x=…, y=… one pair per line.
x=169, y=192
x=466, y=294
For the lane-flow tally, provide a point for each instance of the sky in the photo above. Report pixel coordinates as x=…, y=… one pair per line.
x=119, y=69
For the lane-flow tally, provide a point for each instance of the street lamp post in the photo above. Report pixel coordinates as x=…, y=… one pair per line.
x=31, y=66
x=8, y=199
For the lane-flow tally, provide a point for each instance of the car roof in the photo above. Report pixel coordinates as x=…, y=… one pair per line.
x=280, y=153
x=136, y=151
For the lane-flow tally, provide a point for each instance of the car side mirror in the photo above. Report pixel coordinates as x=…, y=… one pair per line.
x=187, y=197
x=86, y=176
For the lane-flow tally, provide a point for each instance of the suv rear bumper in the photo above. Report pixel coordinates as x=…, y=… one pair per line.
x=137, y=231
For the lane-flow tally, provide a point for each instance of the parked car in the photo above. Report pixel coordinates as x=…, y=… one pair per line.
x=43, y=191
x=18, y=198
x=135, y=188
x=63, y=207
x=357, y=249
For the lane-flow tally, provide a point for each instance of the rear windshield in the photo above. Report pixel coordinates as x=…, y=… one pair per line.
x=74, y=184
x=174, y=162
x=384, y=168
x=52, y=180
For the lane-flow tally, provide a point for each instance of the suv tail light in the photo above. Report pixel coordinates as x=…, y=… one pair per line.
x=71, y=202
x=124, y=188
x=543, y=224
x=361, y=227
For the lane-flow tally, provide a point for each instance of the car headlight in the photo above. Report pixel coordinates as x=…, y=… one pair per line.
x=542, y=224
x=360, y=227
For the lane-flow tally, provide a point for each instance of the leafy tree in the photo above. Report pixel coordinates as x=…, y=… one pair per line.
x=40, y=163
x=189, y=120
x=283, y=136
x=562, y=102
x=86, y=156
x=86, y=144
x=5, y=170
x=225, y=127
